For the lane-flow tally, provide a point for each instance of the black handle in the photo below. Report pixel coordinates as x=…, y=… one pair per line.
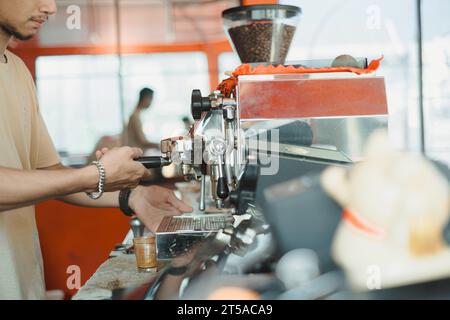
x=222, y=188
x=154, y=162
x=199, y=104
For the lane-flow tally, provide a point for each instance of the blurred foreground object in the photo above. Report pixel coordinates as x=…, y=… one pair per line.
x=233, y=293
x=396, y=207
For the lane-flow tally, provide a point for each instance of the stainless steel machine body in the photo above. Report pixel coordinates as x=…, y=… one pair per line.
x=339, y=111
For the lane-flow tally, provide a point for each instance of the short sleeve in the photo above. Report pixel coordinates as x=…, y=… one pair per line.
x=36, y=146
x=45, y=152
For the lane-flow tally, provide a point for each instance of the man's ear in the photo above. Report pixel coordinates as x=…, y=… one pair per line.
x=334, y=181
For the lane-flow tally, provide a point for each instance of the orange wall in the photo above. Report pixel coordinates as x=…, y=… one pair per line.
x=212, y=51
x=78, y=236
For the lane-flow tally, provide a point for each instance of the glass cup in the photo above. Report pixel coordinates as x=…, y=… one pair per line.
x=145, y=251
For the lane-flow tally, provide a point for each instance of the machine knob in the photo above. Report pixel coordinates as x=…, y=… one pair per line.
x=199, y=104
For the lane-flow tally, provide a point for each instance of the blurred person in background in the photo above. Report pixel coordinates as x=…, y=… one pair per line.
x=134, y=135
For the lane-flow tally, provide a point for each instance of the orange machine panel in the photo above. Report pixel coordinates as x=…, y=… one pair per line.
x=287, y=97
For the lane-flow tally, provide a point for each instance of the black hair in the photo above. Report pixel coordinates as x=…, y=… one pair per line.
x=145, y=92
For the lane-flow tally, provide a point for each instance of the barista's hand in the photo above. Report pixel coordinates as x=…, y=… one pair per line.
x=153, y=203
x=121, y=170
x=100, y=153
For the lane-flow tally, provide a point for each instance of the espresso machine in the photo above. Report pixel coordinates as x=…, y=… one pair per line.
x=256, y=150
x=299, y=114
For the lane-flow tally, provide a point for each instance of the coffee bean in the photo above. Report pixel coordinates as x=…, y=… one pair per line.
x=253, y=42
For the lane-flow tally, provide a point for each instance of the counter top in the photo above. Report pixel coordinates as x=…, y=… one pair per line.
x=117, y=272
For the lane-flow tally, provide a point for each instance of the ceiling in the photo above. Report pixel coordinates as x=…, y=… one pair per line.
x=141, y=22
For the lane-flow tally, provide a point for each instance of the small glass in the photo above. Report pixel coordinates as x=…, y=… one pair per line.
x=145, y=251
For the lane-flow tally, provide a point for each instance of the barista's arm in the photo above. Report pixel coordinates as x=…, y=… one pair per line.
x=21, y=188
x=151, y=203
x=107, y=200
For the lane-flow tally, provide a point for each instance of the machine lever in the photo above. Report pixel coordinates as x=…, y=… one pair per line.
x=202, y=194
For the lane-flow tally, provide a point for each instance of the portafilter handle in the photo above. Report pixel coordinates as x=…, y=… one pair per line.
x=154, y=162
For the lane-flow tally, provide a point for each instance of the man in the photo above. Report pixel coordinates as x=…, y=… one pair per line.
x=30, y=169
x=133, y=134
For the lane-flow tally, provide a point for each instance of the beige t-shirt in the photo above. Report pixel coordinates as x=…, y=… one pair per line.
x=24, y=144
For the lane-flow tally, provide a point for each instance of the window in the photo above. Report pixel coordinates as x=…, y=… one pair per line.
x=375, y=27
x=228, y=61
x=80, y=99
x=436, y=76
x=172, y=76
x=368, y=28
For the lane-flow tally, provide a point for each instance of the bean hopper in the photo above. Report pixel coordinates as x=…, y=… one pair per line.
x=261, y=33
